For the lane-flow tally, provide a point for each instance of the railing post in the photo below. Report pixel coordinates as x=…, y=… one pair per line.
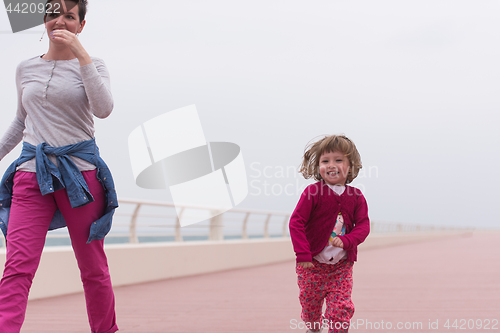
x=285, y=225
x=244, y=234
x=216, y=227
x=133, y=223
x=178, y=235
x=266, y=226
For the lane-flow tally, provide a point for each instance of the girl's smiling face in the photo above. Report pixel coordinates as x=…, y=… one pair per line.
x=334, y=168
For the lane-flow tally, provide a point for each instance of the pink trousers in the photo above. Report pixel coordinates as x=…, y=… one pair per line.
x=330, y=282
x=29, y=221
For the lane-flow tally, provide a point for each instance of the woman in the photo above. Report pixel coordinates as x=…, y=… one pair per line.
x=59, y=179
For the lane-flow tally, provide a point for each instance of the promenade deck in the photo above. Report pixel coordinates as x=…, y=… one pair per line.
x=418, y=287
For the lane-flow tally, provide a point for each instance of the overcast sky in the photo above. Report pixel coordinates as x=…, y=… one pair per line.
x=415, y=84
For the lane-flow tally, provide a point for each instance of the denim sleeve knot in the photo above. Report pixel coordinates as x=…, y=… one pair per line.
x=65, y=175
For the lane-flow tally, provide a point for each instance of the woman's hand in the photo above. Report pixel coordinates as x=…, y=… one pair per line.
x=71, y=41
x=337, y=242
x=306, y=264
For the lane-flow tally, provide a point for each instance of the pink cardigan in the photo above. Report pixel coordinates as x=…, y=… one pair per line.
x=314, y=217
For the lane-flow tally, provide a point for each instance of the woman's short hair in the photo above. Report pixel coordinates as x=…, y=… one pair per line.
x=331, y=143
x=82, y=8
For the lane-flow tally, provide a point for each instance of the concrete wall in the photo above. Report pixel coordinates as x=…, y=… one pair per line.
x=58, y=273
x=385, y=240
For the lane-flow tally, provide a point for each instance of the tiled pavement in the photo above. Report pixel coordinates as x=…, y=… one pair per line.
x=411, y=286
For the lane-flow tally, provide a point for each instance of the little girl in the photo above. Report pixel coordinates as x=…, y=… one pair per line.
x=329, y=222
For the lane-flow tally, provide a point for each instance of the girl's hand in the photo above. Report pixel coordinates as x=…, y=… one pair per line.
x=71, y=41
x=306, y=264
x=337, y=242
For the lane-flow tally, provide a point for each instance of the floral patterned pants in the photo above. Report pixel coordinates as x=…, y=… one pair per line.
x=330, y=282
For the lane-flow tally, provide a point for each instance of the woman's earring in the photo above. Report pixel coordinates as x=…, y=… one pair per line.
x=43, y=33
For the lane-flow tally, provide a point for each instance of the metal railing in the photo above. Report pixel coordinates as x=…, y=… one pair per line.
x=216, y=223
x=394, y=227
x=131, y=211
x=128, y=217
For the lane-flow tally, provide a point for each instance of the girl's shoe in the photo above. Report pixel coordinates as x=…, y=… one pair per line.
x=320, y=328
x=310, y=331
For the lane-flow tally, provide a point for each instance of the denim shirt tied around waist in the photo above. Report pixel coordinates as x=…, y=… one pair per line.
x=66, y=175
